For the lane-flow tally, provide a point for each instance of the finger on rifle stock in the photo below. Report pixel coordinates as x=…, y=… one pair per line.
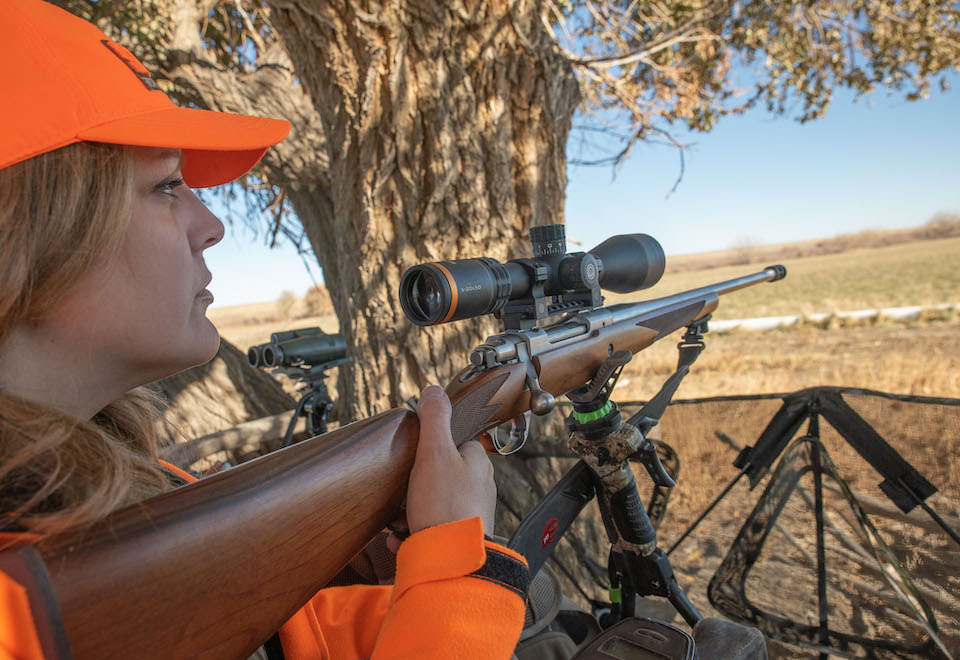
x=433, y=409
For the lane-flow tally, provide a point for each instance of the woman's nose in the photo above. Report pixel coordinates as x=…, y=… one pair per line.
x=206, y=228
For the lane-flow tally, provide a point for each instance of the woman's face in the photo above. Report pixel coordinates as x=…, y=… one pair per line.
x=142, y=315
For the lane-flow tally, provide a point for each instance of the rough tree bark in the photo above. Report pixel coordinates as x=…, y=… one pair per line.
x=446, y=126
x=298, y=165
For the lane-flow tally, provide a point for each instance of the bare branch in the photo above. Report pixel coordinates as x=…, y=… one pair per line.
x=248, y=24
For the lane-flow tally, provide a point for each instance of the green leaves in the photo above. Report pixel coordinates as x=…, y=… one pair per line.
x=667, y=61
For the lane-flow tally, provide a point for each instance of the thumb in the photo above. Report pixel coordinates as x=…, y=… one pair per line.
x=433, y=410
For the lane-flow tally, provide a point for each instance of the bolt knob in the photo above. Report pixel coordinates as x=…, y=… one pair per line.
x=542, y=402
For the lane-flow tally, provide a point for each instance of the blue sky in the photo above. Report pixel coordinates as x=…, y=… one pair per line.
x=879, y=162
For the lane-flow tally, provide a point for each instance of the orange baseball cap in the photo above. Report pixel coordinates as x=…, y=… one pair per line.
x=63, y=81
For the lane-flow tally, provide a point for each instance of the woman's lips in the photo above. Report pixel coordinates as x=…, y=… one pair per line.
x=205, y=295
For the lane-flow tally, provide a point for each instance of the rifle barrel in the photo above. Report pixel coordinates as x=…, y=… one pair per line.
x=574, y=329
x=624, y=311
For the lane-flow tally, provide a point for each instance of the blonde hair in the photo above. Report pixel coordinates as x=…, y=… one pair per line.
x=62, y=213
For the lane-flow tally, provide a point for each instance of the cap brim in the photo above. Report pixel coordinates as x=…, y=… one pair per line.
x=218, y=147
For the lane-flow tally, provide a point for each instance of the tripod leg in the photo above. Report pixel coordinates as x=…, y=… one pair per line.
x=821, y=549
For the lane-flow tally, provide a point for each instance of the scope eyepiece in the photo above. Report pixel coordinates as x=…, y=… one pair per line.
x=631, y=262
x=445, y=291
x=452, y=290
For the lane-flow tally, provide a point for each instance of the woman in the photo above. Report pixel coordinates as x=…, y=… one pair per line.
x=103, y=290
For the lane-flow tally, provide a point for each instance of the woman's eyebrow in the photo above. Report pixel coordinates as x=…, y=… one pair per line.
x=180, y=161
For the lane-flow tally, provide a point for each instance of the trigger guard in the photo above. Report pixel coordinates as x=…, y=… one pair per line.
x=520, y=427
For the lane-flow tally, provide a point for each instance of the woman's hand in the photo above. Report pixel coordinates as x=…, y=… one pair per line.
x=447, y=484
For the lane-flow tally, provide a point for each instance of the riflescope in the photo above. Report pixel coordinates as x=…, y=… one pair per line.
x=551, y=282
x=294, y=348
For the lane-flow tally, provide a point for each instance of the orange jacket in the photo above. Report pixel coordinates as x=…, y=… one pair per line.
x=456, y=596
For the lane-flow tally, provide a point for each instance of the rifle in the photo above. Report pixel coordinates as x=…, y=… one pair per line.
x=216, y=567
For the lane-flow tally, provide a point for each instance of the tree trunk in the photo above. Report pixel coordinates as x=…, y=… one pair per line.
x=218, y=395
x=446, y=126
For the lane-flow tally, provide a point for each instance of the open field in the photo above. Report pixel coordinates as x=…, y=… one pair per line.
x=940, y=227
x=918, y=273
x=920, y=360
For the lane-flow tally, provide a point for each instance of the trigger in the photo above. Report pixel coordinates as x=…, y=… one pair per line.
x=519, y=428
x=487, y=442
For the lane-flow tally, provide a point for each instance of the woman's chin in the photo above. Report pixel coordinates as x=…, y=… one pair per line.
x=203, y=345
x=210, y=340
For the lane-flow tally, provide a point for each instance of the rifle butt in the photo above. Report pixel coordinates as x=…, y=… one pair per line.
x=216, y=567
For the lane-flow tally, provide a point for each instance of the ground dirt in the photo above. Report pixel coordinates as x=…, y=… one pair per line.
x=920, y=360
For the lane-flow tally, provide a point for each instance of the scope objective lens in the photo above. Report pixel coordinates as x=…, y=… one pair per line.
x=451, y=290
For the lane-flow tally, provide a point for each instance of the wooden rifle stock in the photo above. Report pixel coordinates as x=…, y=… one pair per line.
x=216, y=567
x=498, y=395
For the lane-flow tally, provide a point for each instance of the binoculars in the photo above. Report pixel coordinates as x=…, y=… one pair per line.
x=305, y=347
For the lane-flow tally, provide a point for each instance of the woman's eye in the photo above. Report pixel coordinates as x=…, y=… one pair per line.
x=168, y=186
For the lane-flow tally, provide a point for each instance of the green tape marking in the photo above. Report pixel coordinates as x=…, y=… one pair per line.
x=583, y=418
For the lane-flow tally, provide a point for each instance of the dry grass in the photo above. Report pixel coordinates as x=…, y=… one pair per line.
x=921, y=361
x=943, y=226
x=919, y=273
